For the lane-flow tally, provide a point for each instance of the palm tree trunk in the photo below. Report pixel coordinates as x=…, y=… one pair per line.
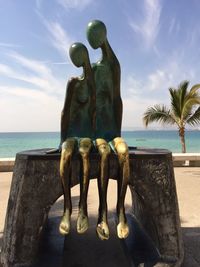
x=182, y=137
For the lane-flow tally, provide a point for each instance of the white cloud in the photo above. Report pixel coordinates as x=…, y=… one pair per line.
x=158, y=79
x=41, y=82
x=27, y=109
x=170, y=75
x=34, y=72
x=150, y=25
x=58, y=37
x=39, y=3
x=60, y=63
x=174, y=26
x=135, y=103
x=6, y=70
x=32, y=64
x=8, y=45
x=133, y=85
x=25, y=92
x=35, y=106
x=74, y=4
x=192, y=38
x=133, y=110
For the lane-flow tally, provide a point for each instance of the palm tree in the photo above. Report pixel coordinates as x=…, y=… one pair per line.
x=184, y=109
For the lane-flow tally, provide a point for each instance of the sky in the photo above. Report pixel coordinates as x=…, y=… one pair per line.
x=156, y=41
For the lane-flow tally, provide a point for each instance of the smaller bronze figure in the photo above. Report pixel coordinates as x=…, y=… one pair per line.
x=77, y=130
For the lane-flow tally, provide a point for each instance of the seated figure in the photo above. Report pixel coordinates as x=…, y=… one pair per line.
x=108, y=127
x=77, y=130
x=93, y=111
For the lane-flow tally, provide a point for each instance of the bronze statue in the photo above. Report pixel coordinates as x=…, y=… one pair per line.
x=77, y=129
x=93, y=111
x=108, y=127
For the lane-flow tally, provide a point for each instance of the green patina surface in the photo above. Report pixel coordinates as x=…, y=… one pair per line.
x=93, y=105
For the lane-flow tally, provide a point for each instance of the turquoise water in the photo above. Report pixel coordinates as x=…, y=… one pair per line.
x=11, y=143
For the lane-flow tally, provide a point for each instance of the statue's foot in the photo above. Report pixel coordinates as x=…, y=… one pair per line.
x=122, y=230
x=82, y=223
x=103, y=231
x=64, y=227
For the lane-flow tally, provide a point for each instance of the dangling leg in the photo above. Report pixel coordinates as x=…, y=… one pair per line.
x=102, y=225
x=121, y=149
x=65, y=171
x=85, y=146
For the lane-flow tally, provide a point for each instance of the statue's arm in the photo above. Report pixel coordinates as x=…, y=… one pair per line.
x=117, y=101
x=65, y=114
x=93, y=98
x=118, y=110
x=118, y=107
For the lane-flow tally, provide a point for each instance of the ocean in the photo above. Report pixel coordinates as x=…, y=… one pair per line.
x=11, y=143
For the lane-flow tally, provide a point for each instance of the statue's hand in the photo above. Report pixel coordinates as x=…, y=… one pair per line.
x=54, y=150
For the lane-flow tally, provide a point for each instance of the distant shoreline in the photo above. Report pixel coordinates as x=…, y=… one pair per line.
x=134, y=130
x=13, y=142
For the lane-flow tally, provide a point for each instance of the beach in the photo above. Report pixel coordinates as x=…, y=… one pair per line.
x=188, y=190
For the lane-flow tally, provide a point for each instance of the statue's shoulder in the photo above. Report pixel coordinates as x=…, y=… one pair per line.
x=94, y=66
x=72, y=82
x=100, y=66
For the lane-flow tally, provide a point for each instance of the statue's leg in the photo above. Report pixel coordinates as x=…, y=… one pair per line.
x=85, y=146
x=102, y=225
x=121, y=149
x=65, y=171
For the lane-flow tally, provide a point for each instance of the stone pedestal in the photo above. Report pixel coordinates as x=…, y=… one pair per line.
x=36, y=186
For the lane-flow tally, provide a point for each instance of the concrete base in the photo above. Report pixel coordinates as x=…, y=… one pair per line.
x=36, y=186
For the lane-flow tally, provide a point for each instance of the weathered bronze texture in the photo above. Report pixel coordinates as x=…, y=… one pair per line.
x=93, y=111
x=77, y=127
x=107, y=83
x=103, y=178
x=85, y=146
x=122, y=152
x=108, y=125
x=78, y=114
x=65, y=171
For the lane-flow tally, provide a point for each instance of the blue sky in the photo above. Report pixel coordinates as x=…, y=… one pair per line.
x=156, y=41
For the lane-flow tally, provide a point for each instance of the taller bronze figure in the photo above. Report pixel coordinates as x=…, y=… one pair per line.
x=108, y=127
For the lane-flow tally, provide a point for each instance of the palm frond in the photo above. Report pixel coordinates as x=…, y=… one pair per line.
x=195, y=88
x=195, y=118
x=182, y=92
x=183, y=101
x=188, y=108
x=192, y=98
x=158, y=113
x=175, y=102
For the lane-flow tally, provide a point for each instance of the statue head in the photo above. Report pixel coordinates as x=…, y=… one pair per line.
x=78, y=54
x=96, y=33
